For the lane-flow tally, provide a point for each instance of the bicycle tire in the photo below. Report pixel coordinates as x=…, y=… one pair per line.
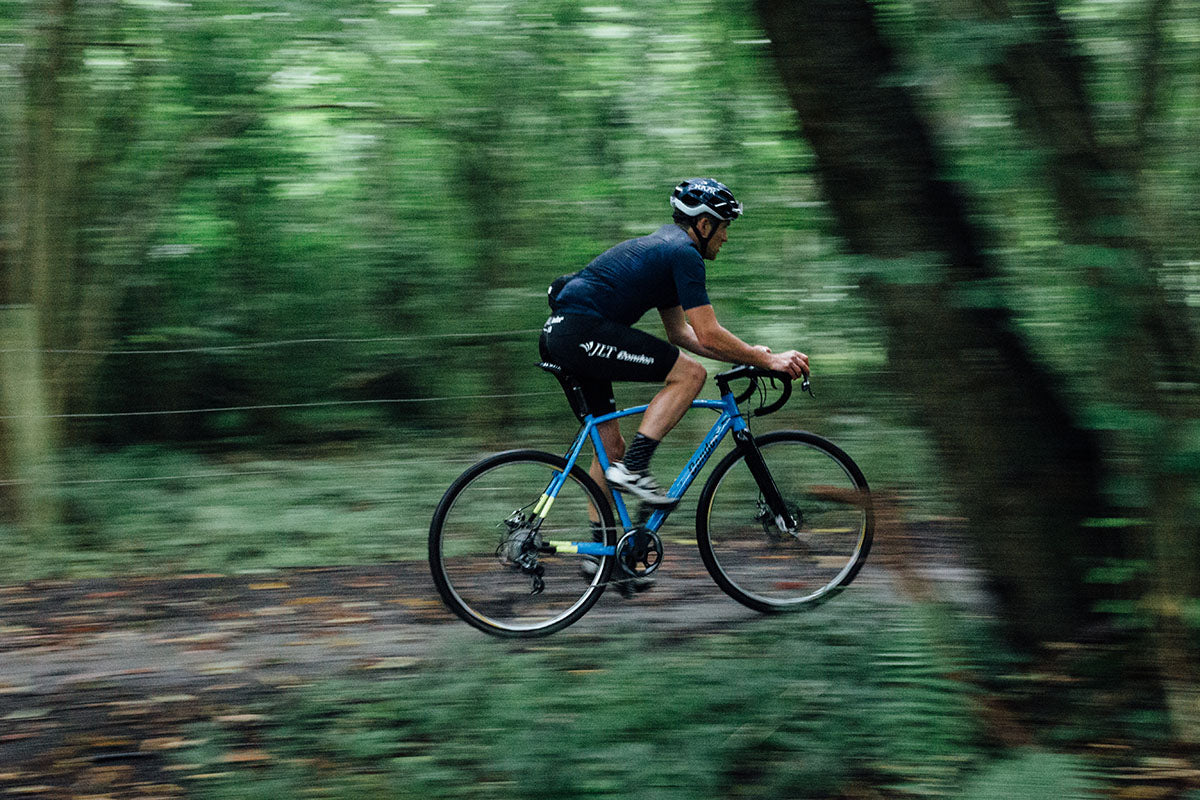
x=757, y=564
x=470, y=527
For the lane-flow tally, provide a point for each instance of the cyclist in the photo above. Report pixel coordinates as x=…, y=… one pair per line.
x=589, y=332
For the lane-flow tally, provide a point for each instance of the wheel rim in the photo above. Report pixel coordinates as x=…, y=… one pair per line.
x=474, y=527
x=780, y=570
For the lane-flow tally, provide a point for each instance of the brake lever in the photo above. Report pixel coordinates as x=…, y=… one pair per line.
x=806, y=386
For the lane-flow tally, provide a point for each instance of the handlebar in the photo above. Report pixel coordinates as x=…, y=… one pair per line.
x=754, y=374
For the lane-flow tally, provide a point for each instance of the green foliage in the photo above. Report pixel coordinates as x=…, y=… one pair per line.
x=1117, y=571
x=802, y=707
x=155, y=511
x=1034, y=775
x=397, y=176
x=332, y=215
x=325, y=218
x=152, y=509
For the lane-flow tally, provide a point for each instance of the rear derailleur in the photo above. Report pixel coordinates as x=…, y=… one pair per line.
x=520, y=547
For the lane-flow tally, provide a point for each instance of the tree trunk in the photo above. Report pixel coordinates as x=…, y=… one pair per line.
x=41, y=265
x=26, y=455
x=1147, y=333
x=490, y=195
x=1025, y=474
x=45, y=179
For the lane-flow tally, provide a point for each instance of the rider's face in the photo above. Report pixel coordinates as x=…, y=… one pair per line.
x=718, y=237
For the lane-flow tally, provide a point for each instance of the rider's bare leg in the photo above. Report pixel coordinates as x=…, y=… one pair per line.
x=614, y=446
x=684, y=382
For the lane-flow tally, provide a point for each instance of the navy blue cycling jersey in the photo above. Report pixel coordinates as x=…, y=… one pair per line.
x=661, y=270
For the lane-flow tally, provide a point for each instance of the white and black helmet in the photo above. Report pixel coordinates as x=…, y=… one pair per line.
x=697, y=196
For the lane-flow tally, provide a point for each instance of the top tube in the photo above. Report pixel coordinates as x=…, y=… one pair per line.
x=715, y=405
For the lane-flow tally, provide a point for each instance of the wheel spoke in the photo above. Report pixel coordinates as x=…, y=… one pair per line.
x=769, y=569
x=488, y=552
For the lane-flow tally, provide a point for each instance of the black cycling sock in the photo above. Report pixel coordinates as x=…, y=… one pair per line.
x=637, y=457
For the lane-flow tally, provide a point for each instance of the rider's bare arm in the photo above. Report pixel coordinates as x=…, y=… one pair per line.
x=681, y=334
x=699, y=332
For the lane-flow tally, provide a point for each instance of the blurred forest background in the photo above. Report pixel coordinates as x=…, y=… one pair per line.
x=271, y=273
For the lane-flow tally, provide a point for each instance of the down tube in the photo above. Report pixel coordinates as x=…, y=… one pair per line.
x=699, y=458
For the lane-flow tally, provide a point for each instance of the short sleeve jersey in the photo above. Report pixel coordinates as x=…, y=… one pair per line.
x=661, y=270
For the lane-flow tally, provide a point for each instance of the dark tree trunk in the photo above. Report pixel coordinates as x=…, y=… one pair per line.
x=1148, y=334
x=1025, y=474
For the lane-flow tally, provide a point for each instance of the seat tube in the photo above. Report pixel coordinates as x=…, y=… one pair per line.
x=618, y=501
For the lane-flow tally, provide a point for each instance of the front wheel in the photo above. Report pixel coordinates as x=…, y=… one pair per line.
x=503, y=568
x=769, y=569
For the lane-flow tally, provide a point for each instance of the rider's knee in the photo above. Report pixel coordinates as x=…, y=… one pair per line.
x=694, y=373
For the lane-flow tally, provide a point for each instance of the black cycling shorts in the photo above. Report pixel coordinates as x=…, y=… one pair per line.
x=597, y=352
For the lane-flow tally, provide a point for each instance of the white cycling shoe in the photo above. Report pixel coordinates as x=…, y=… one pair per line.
x=641, y=485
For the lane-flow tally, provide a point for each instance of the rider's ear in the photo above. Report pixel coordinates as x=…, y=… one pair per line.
x=704, y=226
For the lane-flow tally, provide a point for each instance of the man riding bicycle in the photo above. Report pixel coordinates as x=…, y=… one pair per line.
x=590, y=333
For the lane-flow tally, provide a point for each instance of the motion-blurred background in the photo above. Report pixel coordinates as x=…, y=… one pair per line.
x=272, y=274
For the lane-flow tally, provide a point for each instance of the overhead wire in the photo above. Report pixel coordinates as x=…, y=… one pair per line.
x=267, y=406
x=270, y=344
x=306, y=467
x=210, y=475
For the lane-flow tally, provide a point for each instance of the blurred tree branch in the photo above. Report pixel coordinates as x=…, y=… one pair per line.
x=1094, y=181
x=1151, y=69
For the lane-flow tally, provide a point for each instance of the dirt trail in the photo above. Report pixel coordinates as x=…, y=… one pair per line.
x=185, y=630
x=100, y=680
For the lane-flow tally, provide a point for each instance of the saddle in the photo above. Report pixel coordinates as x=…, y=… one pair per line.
x=571, y=388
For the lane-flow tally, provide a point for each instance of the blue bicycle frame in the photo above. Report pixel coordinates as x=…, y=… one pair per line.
x=730, y=418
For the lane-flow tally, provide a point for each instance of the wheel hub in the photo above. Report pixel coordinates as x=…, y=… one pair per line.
x=773, y=525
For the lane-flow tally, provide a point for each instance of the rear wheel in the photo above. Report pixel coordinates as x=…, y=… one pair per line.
x=772, y=570
x=494, y=560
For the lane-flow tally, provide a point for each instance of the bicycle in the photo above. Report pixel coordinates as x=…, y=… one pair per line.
x=783, y=523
